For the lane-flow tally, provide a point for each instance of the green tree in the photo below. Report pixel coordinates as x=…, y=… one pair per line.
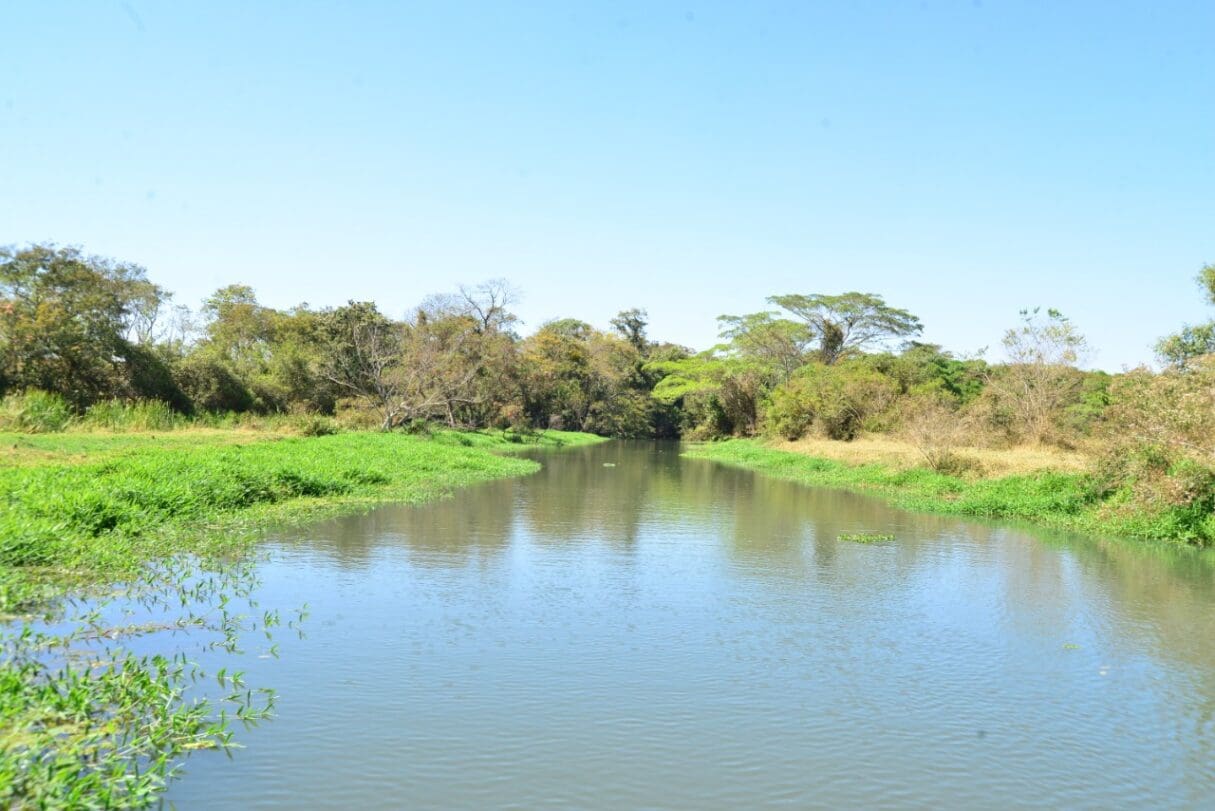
x=849, y=322
x=238, y=329
x=1191, y=342
x=275, y=354
x=777, y=342
x=576, y=377
x=631, y=324
x=929, y=369
x=363, y=354
x=64, y=318
x=718, y=392
x=837, y=400
x=481, y=377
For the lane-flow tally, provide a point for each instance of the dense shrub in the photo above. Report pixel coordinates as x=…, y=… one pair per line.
x=315, y=425
x=211, y=386
x=149, y=375
x=1160, y=446
x=835, y=400
x=625, y=415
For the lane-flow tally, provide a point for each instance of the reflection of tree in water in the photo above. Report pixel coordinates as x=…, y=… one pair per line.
x=766, y=522
x=1162, y=601
x=475, y=524
x=1158, y=603
x=601, y=492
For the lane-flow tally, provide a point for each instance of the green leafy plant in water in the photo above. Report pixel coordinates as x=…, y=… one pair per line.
x=87, y=723
x=865, y=537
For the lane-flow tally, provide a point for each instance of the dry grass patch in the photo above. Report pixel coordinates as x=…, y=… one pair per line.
x=900, y=455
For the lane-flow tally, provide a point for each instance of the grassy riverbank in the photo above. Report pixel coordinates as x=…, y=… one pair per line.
x=1063, y=497
x=86, y=723
x=94, y=507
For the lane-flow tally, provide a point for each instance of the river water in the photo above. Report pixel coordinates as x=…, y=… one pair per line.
x=630, y=629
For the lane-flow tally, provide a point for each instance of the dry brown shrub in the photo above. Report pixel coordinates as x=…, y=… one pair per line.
x=935, y=430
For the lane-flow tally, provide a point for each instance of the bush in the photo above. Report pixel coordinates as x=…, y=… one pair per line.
x=934, y=427
x=837, y=400
x=790, y=412
x=1159, y=457
x=354, y=414
x=211, y=386
x=35, y=412
x=315, y=425
x=149, y=375
x=956, y=464
x=521, y=435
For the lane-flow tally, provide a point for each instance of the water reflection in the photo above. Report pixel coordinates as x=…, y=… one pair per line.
x=628, y=628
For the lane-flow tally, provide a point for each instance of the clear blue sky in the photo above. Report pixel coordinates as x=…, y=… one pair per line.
x=964, y=159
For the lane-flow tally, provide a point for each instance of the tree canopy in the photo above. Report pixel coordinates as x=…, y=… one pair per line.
x=1192, y=341
x=848, y=322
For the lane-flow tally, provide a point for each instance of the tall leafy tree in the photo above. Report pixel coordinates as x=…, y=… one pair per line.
x=631, y=324
x=239, y=329
x=64, y=318
x=363, y=358
x=849, y=322
x=1193, y=341
x=778, y=342
x=577, y=377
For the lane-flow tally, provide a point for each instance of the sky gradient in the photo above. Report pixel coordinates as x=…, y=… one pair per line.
x=963, y=159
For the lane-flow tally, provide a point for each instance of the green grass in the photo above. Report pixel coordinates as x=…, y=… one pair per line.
x=82, y=448
x=98, y=506
x=1071, y=501
x=85, y=723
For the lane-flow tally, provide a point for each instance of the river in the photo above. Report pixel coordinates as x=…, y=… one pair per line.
x=630, y=629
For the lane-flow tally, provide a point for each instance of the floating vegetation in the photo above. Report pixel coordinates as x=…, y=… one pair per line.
x=865, y=537
x=88, y=722
x=119, y=572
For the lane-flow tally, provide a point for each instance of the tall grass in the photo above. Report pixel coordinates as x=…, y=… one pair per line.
x=132, y=415
x=34, y=412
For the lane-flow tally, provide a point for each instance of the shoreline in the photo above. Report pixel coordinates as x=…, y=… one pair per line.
x=167, y=526
x=1066, y=500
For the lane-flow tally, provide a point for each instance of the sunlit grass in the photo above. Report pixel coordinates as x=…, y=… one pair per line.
x=1062, y=498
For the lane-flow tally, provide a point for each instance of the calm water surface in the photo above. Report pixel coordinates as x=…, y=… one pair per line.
x=629, y=629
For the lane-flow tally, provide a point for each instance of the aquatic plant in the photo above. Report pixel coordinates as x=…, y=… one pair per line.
x=85, y=720
x=865, y=537
x=89, y=723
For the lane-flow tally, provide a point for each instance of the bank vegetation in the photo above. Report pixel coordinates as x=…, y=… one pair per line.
x=92, y=344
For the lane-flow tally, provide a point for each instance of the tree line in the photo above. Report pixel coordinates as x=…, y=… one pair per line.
x=93, y=330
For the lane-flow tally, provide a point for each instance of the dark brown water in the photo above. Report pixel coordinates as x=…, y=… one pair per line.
x=629, y=629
